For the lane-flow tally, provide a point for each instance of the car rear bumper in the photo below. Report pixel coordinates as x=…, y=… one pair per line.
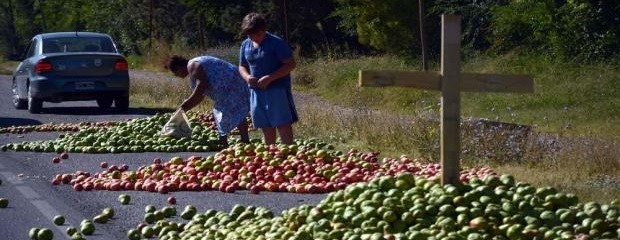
x=73, y=89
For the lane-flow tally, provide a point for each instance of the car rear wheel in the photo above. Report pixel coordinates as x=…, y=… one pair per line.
x=18, y=103
x=104, y=103
x=35, y=105
x=121, y=102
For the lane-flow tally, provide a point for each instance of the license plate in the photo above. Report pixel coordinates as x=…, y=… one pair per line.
x=84, y=85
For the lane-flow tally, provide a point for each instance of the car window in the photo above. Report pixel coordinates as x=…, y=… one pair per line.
x=50, y=47
x=31, y=48
x=78, y=44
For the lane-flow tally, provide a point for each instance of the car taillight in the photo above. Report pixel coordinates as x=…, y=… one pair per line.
x=43, y=66
x=121, y=65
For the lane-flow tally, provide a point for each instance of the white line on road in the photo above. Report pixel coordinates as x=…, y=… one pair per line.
x=28, y=192
x=45, y=208
x=12, y=178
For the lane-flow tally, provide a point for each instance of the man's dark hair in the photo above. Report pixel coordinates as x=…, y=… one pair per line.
x=253, y=22
x=175, y=62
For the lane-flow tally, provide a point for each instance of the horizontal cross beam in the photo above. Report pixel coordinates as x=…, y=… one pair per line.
x=469, y=82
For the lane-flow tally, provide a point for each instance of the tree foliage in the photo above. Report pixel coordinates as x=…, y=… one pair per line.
x=576, y=29
x=580, y=30
x=386, y=25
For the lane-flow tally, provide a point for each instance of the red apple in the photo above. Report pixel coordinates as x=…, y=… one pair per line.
x=66, y=178
x=163, y=189
x=88, y=186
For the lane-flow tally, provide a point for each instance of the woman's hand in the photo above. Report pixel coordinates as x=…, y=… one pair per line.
x=244, y=70
x=264, y=81
x=253, y=82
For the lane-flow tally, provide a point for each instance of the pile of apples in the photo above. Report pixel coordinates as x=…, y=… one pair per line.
x=411, y=207
x=205, y=118
x=299, y=168
x=56, y=127
x=136, y=135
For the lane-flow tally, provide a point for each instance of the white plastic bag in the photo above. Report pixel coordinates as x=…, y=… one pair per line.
x=178, y=126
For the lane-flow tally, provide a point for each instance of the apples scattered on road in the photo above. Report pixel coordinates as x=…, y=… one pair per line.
x=306, y=167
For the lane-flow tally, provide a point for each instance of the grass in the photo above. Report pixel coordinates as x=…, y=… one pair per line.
x=7, y=67
x=569, y=98
x=157, y=90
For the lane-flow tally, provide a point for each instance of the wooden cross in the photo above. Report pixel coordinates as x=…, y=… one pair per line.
x=450, y=81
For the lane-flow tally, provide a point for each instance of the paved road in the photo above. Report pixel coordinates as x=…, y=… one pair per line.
x=34, y=201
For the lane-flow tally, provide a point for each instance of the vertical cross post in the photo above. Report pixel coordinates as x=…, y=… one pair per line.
x=450, y=98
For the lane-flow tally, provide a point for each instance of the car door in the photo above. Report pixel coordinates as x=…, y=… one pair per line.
x=22, y=71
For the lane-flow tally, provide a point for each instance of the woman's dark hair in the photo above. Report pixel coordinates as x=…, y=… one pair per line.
x=253, y=22
x=175, y=62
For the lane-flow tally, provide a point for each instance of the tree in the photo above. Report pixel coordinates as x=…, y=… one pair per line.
x=476, y=19
x=423, y=45
x=9, y=39
x=586, y=30
x=578, y=30
x=385, y=25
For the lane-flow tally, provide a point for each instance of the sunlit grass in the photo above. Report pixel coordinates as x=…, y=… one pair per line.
x=574, y=99
x=7, y=67
x=371, y=131
x=161, y=90
x=569, y=98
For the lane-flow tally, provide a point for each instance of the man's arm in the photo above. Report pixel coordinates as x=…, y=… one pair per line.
x=196, y=72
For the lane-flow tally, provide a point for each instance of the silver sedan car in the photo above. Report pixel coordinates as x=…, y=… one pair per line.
x=71, y=66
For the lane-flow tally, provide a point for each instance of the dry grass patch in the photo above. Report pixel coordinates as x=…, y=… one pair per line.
x=368, y=130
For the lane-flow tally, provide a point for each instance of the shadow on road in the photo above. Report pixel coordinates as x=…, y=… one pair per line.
x=7, y=122
x=99, y=111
